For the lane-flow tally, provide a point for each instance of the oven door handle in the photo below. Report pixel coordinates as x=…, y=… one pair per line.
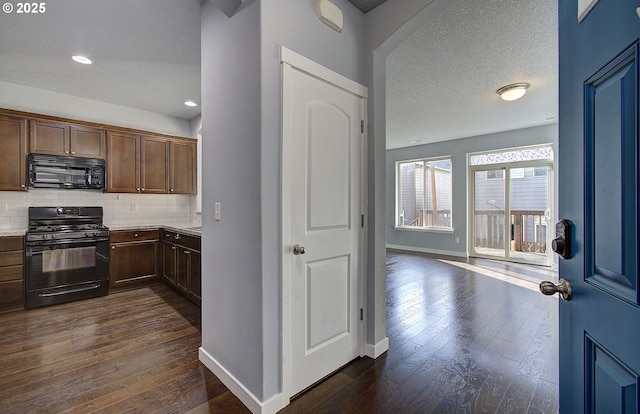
x=46, y=294
x=71, y=243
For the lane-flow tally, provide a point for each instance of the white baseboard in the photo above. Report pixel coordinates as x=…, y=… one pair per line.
x=375, y=350
x=271, y=406
x=423, y=250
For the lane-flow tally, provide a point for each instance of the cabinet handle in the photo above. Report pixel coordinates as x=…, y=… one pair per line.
x=173, y=247
x=113, y=247
x=73, y=153
x=187, y=252
x=178, y=237
x=143, y=189
x=66, y=152
x=136, y=235
x=22, y=185
x=172, y=190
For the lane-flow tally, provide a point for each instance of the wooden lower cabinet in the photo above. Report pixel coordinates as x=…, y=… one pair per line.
x=134, y=257
x=182, y=264
x=11, y=273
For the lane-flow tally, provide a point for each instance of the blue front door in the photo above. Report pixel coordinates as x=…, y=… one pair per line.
x=598, y=194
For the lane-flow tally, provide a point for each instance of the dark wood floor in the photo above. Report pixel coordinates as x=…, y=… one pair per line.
x=461, y=340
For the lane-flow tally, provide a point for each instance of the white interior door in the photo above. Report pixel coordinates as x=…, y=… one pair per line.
x=322, y=216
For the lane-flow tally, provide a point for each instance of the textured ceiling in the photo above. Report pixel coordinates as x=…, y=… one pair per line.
x=441, y=81
x=146, y=53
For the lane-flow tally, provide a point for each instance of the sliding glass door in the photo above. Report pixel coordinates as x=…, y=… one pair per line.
x=511, y=206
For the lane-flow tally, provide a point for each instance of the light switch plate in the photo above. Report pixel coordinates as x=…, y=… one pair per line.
x=584, y=7
x=217, y=211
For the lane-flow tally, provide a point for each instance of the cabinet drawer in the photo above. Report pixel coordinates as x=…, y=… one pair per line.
x=119, y=236
x=191, y=242
x=11, y=258
x=11, y=243
x=10, y=273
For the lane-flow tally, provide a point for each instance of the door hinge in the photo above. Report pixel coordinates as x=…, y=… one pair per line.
x=362, y=126
x=362, y=220
x=361, y=314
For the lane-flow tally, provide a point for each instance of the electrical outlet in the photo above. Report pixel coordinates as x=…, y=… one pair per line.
x=457, y=240
x=217, y=211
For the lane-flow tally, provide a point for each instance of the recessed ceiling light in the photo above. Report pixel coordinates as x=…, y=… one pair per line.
x=190, y=103
x=415, y=141
x=81, y=59
x=513, y=91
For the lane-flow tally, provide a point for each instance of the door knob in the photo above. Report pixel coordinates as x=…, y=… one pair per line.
x=563, y=288
x=297, y=249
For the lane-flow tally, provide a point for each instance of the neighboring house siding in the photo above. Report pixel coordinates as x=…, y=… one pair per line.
x=527, y=194
x=412, y=191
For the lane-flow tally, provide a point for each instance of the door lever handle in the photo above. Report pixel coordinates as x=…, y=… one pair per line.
x=563, y=288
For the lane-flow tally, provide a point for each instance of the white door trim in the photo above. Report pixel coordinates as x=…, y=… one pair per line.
x=293, y=61
x=307, y=65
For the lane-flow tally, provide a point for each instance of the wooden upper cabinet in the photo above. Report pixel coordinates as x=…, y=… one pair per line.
x=61, y=138
x=13, y=153
x=182, y=178
x=123, y=162
x=137, y=163
x=154, y=164
x=87, y=142
x=48, y=137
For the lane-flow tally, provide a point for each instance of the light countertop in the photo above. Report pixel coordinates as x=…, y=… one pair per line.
x=193, y=229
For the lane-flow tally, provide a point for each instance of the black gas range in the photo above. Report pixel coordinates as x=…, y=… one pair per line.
x=67, y=255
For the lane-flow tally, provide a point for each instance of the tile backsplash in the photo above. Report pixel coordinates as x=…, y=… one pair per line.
x=119, y=209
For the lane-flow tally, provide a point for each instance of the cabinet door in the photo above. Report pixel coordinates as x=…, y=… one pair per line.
x=195, y=277
x=183, y=167
x=123, y=167
x=169, y=262
x=13, y=153
x=182, y=269
x=89, y=142
x=48, y=137
x=11, y=294
x=133, y=262
x=154, y=165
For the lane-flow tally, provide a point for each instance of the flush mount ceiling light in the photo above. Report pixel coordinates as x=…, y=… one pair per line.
x=81, y=59
x=513, y=91
x=190, y=103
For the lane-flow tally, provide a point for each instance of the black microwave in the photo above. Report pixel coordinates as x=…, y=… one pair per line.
x=51, y=171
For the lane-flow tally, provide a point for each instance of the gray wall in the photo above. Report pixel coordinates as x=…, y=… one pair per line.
x=386, y=27
x=458, y=150
x=241, y=114
x=40, y=101
x=231, y=256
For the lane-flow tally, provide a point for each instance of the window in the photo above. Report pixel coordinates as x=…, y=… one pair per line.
x=540, y=171
x=516, y=173
x=495, y=174
x=424, y=193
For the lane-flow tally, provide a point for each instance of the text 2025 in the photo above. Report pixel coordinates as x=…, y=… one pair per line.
x=31, y=8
